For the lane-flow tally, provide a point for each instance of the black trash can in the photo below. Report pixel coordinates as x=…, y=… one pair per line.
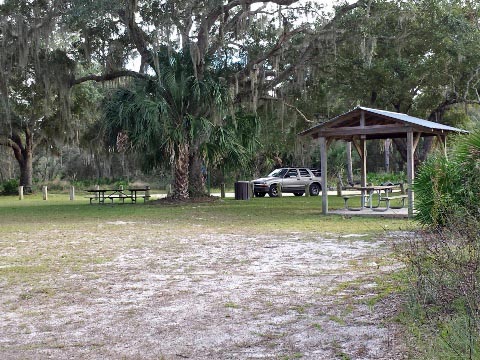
x=242, y=190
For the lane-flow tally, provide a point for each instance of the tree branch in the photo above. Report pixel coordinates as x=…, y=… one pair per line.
x=288, y=105
x=140, y=39
x=208, y=22
x=110, y=76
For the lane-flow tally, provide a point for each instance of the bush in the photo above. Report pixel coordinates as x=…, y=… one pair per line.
x=436, y=186
x=444, y=187
x=10, y=187
x=57, y=185
x=382, y=177
x=444, y=268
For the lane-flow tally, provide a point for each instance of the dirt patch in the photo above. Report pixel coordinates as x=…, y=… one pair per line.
x=193, y=200
x=152, y=294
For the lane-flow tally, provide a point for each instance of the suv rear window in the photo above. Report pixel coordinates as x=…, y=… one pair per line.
x=304, y=173
x=292, y=173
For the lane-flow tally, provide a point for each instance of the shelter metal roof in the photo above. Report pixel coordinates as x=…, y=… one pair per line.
x=379, y=124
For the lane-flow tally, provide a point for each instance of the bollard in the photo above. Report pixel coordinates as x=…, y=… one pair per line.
x=20, y=193
x=72, y=193
x=279, y=190
x=222, y=190
x=44, y=193
x=307, y=189
x=339, y=189
x=147, y=193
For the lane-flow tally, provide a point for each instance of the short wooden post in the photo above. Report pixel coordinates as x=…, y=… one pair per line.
x=20, y=193
x=45, y=193
x=222, y=190
x=97, y=187
x=147, y=193
x=279, y=190
x=307, y=189
x=339, y=189
x=72, y=193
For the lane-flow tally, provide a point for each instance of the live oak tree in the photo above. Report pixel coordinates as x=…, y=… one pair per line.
x=418, y=57
x=32, y=90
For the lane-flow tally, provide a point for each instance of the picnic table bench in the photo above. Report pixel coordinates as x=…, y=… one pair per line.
x=387, y=200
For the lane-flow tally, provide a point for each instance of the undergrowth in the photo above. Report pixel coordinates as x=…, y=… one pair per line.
x=443, y=310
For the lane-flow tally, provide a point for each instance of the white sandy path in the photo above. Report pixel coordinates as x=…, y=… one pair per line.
x=212, y=296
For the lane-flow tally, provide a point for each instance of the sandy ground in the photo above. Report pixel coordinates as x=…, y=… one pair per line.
x=152, y=295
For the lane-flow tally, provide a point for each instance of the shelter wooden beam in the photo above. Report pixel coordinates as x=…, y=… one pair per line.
x=416, y=140
x=358, y=148
x=366, y=130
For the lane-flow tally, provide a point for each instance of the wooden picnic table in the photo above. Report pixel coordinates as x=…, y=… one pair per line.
x=368, y=191
x=144, y=193
x=100, y=195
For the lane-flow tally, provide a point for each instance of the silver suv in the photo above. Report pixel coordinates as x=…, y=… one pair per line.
x=292, y=180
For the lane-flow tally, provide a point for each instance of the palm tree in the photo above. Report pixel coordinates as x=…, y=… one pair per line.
x=234, y=144
x=170, y=116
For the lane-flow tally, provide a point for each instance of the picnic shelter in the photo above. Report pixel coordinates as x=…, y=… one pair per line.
x=362, y=124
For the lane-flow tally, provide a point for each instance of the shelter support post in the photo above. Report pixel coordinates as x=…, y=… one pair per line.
x=323, y=162
x=362, y=152
x=363, y=180
x=410, y=172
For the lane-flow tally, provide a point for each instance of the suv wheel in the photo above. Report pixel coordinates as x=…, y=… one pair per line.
x=273, y=191
x=314, y=189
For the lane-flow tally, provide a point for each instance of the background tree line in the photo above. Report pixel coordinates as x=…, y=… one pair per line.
x=94, y=89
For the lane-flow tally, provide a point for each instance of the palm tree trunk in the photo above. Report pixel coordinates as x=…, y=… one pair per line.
x=197, y=174
x=181, y=169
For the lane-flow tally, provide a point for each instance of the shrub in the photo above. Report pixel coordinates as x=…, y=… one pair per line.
x=10, y=187
x=436, y=186
x=444, y=267
x=382, y=177
x=444, y=187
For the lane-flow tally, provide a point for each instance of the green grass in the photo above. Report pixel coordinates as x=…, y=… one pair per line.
x=287, y=214
x=52, y=221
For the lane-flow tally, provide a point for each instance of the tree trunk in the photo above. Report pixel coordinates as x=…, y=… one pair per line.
x=197, y=175
x=26, y=172
x=181, y=170
x=387, y=154
x=24, y=156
